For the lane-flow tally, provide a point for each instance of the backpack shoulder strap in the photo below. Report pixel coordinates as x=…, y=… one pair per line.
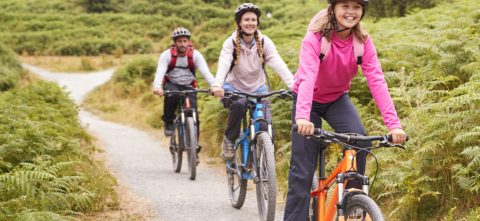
x=358, y=49
x=234, y=56
x=325, y=46
x=263, y=66
x=191, y=64
x=173, y=61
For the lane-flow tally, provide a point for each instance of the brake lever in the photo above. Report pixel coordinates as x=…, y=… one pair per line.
x=385, y=143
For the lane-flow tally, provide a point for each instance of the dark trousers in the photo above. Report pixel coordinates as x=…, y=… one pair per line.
x=237, y=108
x=343, y=118
x=171, y=101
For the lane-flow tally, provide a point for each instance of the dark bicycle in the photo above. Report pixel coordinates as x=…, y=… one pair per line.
x=254, y=156
x=349, y=204
x=185, y=136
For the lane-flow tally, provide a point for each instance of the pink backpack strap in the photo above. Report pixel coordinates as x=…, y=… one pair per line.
x=358, y=48
x=324, y=46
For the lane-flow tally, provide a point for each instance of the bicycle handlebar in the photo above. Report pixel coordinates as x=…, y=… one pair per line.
x=185, y=92
x=347, y=138
x=260, y=95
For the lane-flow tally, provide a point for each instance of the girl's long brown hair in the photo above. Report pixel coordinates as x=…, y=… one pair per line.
x=324, y=25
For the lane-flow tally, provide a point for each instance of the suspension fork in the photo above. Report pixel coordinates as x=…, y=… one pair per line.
x=189, y=107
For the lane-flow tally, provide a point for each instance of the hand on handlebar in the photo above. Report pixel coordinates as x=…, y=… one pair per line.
x=305, y=127
x=398, y=135
x=158, y=92
x=217, y=91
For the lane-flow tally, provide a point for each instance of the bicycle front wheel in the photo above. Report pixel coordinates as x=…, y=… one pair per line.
x=362, y=207
x=176, y=147
x=237, y=186
x=266, y=176
x=191, y=136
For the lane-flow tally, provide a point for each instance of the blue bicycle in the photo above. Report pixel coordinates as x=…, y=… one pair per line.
x=254, y=156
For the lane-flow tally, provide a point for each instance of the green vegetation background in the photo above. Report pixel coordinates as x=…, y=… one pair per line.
x=47, y=170
x=430, y=58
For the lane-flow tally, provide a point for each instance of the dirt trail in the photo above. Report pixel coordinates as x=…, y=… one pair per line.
x=143, y=163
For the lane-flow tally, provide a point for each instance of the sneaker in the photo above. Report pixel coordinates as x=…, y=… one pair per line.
x=168, y=130
x=227, y=149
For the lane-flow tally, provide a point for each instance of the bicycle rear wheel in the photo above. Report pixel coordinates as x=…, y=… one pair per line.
x=362, y=207
x=191, y=136
x=176, y=148
x=237, y=186
x=266, y=176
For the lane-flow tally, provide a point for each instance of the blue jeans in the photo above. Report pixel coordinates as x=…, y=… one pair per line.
x=228, y=87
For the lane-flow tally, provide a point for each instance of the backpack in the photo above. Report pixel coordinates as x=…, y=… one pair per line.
x=325, y=45
x=173, y=62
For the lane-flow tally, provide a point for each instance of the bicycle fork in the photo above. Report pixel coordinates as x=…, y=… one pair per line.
x=340, y=194
x=343, y=194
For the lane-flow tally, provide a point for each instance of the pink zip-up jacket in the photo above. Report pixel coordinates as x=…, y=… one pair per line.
x=327, y=81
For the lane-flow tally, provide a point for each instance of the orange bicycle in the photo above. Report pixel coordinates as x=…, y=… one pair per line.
x=345, y=204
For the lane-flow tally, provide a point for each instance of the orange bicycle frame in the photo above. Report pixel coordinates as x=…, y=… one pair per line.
x=327, y=212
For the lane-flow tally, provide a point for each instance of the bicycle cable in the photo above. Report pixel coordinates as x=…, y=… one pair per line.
x=359, y=149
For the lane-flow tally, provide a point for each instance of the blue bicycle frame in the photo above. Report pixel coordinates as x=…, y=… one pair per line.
x=249, y=134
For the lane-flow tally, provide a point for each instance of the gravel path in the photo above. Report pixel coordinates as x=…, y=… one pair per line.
x=143, y=163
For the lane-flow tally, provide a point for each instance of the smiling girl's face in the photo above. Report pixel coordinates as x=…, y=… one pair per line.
x=348, y=14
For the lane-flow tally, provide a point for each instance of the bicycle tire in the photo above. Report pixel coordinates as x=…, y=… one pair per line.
x=237, y=186
x=266, y=184
x=313, y=211
x=358, y=206
x=177, y=143
x=191, y=138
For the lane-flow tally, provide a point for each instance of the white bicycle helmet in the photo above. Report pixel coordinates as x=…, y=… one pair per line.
x=180, y=32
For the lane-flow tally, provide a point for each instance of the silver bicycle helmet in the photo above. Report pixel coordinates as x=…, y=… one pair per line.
x=247, y=7
x=180, y=32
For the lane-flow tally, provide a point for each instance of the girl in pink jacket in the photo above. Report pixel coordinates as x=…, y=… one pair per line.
x=321, y=91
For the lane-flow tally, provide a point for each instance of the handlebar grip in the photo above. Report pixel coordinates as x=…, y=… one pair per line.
x=390, y=138
x=316, y=131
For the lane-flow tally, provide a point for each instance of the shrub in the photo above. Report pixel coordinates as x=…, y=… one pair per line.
x=143, y=68
x=10, y=69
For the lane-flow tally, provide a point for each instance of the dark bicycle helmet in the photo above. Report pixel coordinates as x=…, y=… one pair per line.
x=362, y=2
x=178, y=32
x=247, y=7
